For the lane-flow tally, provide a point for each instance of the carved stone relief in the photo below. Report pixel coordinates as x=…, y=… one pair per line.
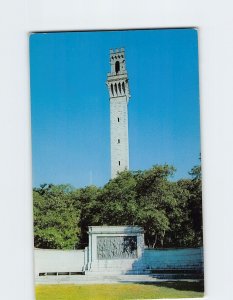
x=114, y=247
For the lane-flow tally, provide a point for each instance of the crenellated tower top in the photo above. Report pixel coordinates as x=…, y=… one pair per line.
x=117, y=79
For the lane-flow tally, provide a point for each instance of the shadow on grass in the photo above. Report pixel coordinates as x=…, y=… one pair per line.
x=196, y=286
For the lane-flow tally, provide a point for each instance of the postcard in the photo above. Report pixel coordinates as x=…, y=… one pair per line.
x=116, y=164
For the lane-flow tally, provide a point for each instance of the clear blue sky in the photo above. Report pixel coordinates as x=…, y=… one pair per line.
x=70, y=103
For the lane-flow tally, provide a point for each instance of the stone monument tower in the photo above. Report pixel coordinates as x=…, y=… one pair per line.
x=118, y=87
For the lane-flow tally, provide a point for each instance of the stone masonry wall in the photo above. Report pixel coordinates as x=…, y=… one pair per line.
x=119, y=135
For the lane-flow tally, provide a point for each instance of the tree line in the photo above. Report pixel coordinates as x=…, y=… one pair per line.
x=169, y=211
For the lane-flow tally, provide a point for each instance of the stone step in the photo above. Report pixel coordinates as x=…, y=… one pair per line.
x=115, y=272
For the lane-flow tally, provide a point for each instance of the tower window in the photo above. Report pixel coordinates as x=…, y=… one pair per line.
x=117, y=66
x=118, y=141
x=119, y=87
x=118, y=120
x=115, y=86
x=119, y=163
x=123, y=87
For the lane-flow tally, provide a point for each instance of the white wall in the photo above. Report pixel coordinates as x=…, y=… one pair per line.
x=173, y=258
x=73, y=260
x=58, y=261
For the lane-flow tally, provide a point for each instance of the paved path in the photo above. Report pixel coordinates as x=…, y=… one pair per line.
x=101, y=279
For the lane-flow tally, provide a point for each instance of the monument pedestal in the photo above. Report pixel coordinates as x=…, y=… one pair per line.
x=115, y=267
x=115, y=250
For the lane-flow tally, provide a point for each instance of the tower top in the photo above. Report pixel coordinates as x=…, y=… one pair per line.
x=117, y=79
x=117, y=57
x=118, y=65
x=117, y=50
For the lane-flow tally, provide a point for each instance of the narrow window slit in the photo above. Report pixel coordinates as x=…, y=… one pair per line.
x=115, y=86
x=117, y=66
x=123, y=87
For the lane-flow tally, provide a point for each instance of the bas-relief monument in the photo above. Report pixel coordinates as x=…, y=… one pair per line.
x=115, y=249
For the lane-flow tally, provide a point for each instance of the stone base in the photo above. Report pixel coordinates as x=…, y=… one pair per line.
x=115, y=250
x=115, y=272
x=104, y=279
x=121, y=267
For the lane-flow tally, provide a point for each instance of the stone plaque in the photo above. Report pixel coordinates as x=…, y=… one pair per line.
x=114, y=247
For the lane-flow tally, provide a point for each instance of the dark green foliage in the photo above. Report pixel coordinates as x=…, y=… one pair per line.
x=117, y=200
x=89, y=213
x=55, y=218
x=170, y=212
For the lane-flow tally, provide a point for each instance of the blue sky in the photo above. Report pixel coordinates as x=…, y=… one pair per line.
x=70, y=103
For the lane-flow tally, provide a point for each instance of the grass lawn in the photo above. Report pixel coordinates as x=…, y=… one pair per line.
x=120, y=291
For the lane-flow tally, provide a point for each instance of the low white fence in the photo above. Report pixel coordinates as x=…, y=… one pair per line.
x=58, y=261
x=190, y=258
x=53, y=262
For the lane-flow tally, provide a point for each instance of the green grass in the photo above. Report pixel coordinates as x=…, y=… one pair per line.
x=120, y=291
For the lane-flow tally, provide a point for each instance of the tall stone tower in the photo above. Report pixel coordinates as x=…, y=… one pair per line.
x=118, y=87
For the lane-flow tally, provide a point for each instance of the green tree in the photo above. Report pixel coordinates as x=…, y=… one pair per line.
x=156, y=201
x=89, y=211
x=181, y=231
x=117, y=202
x=55, y=219
x=170, y=212
x=195, y=203
x=191, y=234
